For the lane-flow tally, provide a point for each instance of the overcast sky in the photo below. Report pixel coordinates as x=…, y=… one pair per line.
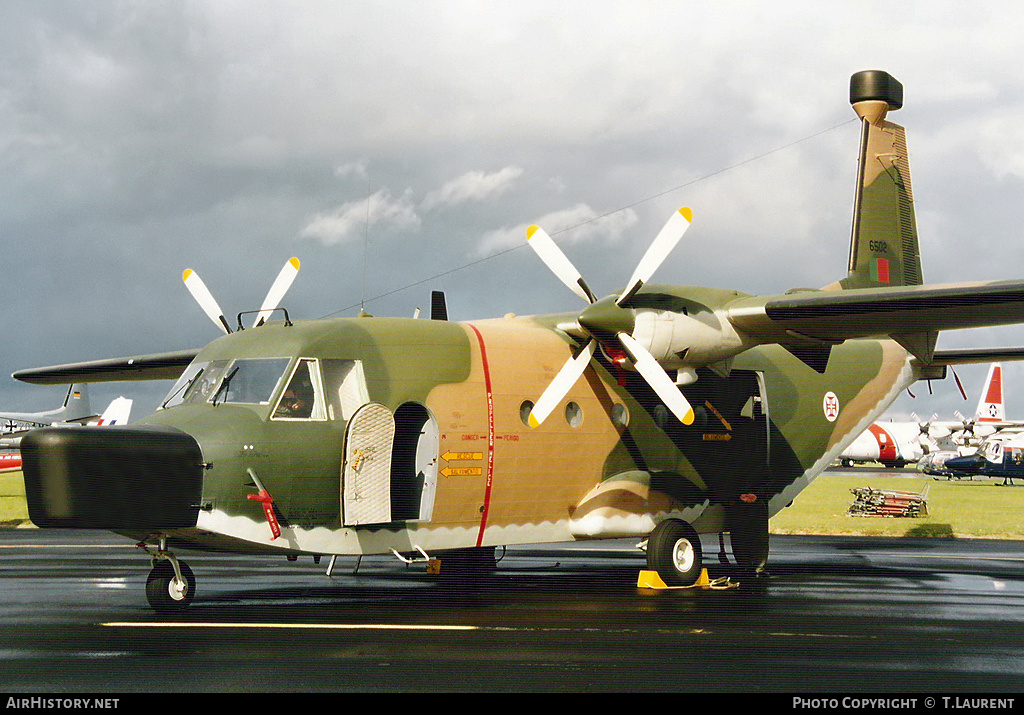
x=401, y=147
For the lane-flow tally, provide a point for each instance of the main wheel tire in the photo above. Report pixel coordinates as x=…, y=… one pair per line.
x=674, y=551
x=163, y=594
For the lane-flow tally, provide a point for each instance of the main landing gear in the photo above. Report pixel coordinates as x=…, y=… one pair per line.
x=171, y=586
x=674, y=551
x=674, y=548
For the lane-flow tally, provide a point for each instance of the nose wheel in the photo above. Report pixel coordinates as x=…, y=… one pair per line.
x=171, y=585
x=165, y=591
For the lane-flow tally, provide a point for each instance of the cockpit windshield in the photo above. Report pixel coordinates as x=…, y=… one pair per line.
x=316, y=389
x=195, y=384
x=251, y=381
x=245, y=381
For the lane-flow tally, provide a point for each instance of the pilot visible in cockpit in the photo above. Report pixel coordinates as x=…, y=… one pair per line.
x=297, y=401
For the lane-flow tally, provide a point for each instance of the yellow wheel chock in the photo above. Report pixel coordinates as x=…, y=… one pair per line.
x=651, y=579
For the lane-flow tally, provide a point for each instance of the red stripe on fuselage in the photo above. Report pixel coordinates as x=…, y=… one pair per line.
x=490, y=435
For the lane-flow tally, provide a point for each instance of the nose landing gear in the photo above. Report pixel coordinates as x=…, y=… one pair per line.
x=171, y=585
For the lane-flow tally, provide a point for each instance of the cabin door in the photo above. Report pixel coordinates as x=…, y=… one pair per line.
x=366, y=469
x=414, y=463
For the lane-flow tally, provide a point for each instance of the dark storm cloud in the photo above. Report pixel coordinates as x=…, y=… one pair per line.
x=390, y=143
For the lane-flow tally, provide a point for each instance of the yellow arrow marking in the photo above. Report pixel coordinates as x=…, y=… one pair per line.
x=461, y=471
x=451, y=456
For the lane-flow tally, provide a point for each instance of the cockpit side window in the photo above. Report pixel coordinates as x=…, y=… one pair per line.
x=303, y=398
x=345, y=387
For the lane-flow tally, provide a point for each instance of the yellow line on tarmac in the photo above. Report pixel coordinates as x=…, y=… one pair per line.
x=409, y=627
x=307, y=626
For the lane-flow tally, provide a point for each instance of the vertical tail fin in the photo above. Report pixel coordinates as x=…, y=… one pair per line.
x=76, y=404
x=990, y=406
x=883, y=248
x=117, y=412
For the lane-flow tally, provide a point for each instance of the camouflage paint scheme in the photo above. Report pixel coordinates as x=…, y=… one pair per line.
x=784, y=383
x=556, y=482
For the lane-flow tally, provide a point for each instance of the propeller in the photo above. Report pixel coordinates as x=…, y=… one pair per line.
x=210, y=306
x=922, y=426
x=607, y=323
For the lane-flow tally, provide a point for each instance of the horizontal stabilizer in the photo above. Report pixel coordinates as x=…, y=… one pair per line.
x=161, y=366
x=974, y=356
x=834, y=316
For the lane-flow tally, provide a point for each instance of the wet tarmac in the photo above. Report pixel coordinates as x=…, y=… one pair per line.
x=851, y=615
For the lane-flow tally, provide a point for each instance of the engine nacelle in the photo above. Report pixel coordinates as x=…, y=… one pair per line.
x=677, y=340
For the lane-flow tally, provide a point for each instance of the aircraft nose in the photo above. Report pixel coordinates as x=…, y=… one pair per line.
x=118, y=478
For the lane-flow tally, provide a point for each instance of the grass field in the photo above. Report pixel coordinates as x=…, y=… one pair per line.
x=963, y=509
x=13, y=510
x=980, y=508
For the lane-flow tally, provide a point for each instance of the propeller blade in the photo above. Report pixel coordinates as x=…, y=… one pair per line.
x=205, y=299
x=658, y=251
x=658, y=379
x=561, y=385
x=552, y=255
x=277, y=290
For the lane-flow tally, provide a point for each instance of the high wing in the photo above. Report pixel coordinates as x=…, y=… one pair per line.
x=909, y=314
x=158, y=366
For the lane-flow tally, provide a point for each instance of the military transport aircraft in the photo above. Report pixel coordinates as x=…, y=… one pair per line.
x=75, y=408
x=658, y=412
x=897, y=443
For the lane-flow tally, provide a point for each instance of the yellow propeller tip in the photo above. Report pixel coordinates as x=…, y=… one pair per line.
x=295, y=262
x=530, y=231
x=186, y=274
x=687, y=213
x=533, y=421
x=688, y=417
